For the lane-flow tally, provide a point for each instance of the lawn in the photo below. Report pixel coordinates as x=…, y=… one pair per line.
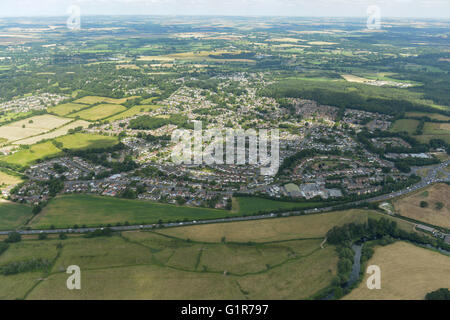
x=65, y=211
x=408, y=272
x=80, y=141
x=13, y=215
x=250, y=205
x=99, y=112
x=27, y=156
x=66, y=108
x=133, y=111
x=409, y=206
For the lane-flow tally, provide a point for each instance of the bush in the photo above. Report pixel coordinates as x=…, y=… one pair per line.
x=13, y=237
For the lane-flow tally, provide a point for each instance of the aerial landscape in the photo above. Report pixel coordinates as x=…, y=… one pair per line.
x=223, y=157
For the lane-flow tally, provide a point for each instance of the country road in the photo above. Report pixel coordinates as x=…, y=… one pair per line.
x=429, y=179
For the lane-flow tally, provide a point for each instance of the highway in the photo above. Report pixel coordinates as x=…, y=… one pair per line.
x=429, y=179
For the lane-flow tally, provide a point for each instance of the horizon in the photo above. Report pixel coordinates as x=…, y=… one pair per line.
x=428, y=9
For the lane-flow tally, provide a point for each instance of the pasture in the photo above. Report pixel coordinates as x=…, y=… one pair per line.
x=96, y=99
x=408, y=125
x=307, y=226
x=27, y=156
x=409, y=206
x=251, y=205
x=80, y=141
x=13, y=215
x=67, y=210
x=147, y=265
x=8, y=180
x=408, y=272
x=66, y=108
x=99, y=112
x=133, y=111
x=31, y=127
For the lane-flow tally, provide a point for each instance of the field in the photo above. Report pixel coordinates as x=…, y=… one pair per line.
x=132, y=112
x=408, y=272
x=99, y=112
x=95, y=99
x=13, y=215
x=408, y=125
x=409, y=206
x=65, y=211
x=66, y=108
x=147, y=265
x=308, y=226
x=27, y=156
x=253, y=205
x=8, y=180
x=435, y=116
x=30, y=127
x=79, y=141
x=352, y=78
x=54, y=134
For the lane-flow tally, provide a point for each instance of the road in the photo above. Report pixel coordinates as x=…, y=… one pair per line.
x=429, y=179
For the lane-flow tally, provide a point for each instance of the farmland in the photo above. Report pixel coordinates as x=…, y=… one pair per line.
x=31, y=127
x=408, y=125
x=54, y=133
x=79, y=141
x=132, y=112
x=13, y=215
x=66, y=108
x=99, y=112
x=65, y=211
x=408, y=272
x=35, y=152
x=95, y=99
x=157, y=264
x=409, y=206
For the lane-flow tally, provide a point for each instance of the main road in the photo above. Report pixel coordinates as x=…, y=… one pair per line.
x=432, y=177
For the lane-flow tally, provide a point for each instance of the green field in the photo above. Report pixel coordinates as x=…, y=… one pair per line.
x=13, y=215
x=434, y=130
x=79, y=141
x=96, y=99
x=250, y=205
x=99, y=112
x=435, y=116
x=133, y=111
x=408, y=125
x=146, y=265
x=37, y=151
x=65, y=211
x=66, y=108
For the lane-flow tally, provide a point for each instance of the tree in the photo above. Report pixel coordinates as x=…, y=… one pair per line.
x=36, y=209
x=440, y=294
x=423, y=204
x=13, y=237
x=42, y=236
x=62, y=236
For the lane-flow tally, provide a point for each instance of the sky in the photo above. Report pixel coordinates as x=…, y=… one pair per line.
x=301, y=8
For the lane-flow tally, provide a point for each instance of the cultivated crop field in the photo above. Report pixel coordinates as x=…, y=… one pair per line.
x=31, y=127
x=55, y=133
x=99, y=112
x=408, y=272
x=7, y=180
x=409, y=206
